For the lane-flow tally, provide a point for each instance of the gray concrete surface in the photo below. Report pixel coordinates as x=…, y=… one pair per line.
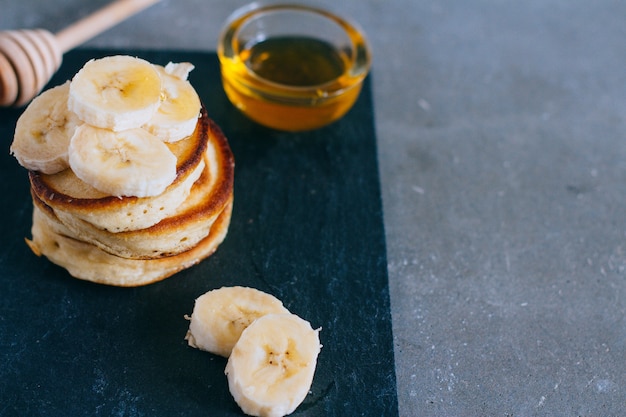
x=502, y=143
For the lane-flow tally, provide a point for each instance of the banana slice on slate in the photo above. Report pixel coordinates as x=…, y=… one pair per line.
x=220, y=316
x=272, y=353
x=271, y=367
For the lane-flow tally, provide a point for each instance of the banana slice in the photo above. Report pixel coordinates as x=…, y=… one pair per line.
x=271, y=367
x=116, y=92
x=219, y=316
x=43, y=132
x=128, y=163
x=178, y=113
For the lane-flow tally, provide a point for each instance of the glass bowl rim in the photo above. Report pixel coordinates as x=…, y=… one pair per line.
x=356, y=72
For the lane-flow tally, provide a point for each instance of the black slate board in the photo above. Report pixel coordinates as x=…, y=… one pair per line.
x=307, y=227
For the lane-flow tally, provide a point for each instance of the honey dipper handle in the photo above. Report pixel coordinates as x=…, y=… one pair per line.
x=99, y=21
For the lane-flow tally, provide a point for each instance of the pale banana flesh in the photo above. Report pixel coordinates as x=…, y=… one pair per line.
x=114, y=99
x=271, y=367
x=272, y=353
x=128, y=163
x=43, y=132
x=117, y=92
x=177, y=114
x=221, y=315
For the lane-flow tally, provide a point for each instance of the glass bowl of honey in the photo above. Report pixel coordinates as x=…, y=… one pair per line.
x=292, y=67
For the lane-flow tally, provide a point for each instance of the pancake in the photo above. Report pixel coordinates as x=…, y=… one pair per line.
x=87, y=262
x=188, y=225
x=66, y=193
x=130, y=241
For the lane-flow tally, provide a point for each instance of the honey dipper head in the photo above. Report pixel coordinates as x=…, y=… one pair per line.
x=28, y=59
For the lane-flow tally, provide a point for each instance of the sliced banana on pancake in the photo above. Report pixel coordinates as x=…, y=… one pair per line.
x=127, y=163
x=178, y=112
x=43, y=132
x=271, y=367
x=117, y=92
x=220, y=316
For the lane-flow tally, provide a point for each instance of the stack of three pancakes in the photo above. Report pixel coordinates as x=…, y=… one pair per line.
x=131, y=241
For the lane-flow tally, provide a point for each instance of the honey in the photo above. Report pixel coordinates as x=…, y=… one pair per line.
x=304, y=65
x=295, y=61
x=289, y=80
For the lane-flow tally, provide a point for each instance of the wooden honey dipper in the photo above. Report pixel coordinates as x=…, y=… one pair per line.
x=30, y=57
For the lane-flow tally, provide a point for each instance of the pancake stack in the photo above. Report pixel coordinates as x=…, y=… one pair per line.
x=132, y=240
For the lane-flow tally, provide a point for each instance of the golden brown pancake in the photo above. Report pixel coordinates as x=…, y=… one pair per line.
x=65, y=192
x=179, y=232
x=87, y=262
x=130, y=241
